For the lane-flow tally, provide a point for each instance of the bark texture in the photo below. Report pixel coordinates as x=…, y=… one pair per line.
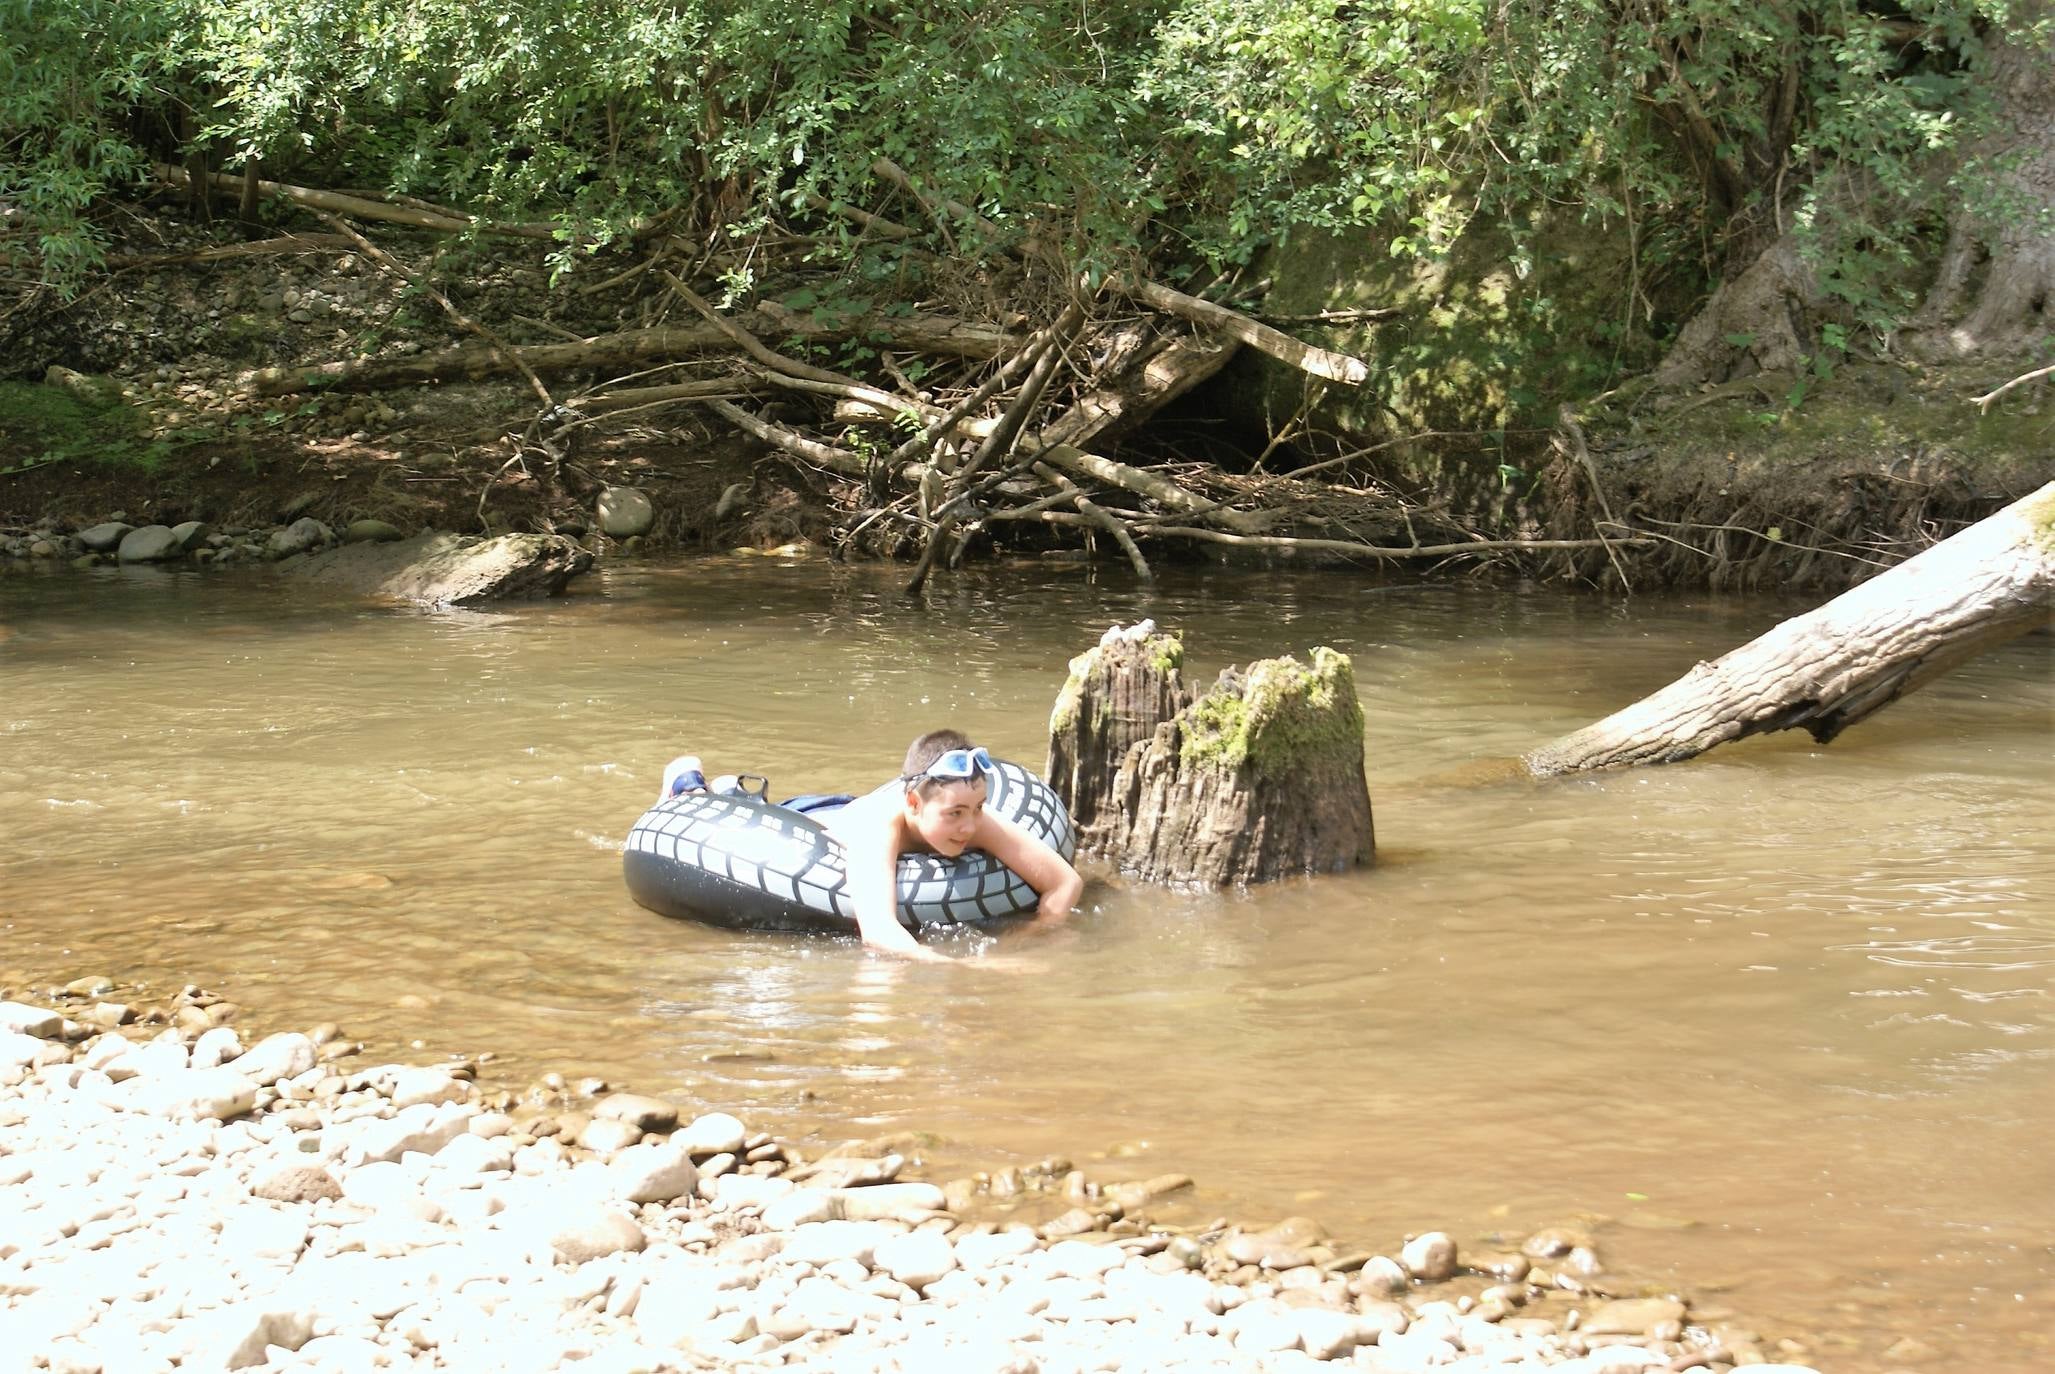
x=1995, y=291
x=1117, y=694
x=1829, y=668
x=1259, y=778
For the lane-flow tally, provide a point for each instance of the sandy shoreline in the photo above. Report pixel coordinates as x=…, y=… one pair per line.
x=181, y=1194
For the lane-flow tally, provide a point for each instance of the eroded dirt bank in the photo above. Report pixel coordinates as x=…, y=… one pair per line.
x=137, y=401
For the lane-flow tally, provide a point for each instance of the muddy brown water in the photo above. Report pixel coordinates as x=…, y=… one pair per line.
x=1778, y=1021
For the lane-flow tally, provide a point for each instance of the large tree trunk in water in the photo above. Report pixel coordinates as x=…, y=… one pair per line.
x=1258, y=778
x=1826, y=669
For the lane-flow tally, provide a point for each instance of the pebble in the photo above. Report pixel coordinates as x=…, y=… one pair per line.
x=644, y=1113
x=1431, y=1257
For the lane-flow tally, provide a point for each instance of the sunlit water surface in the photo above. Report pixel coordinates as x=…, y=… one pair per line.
x=1798, y=997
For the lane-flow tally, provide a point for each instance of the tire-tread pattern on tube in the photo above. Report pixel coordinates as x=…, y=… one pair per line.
x=740, y=862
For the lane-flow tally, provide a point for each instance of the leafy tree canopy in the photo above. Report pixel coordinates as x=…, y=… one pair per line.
x=1202, y=130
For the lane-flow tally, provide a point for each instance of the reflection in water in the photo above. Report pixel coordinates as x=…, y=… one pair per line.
x=1800, y=996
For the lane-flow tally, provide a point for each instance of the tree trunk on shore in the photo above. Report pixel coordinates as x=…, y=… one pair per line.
x=1829, y=668
x=1991, y=293
x=1259, y=778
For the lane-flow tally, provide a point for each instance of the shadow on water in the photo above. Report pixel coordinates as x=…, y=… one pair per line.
x=1782, y=1016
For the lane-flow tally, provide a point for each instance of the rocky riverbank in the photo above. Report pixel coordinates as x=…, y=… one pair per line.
x=178, y=1198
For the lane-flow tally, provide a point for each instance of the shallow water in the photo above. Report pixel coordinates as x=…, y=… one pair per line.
x=1796, y=997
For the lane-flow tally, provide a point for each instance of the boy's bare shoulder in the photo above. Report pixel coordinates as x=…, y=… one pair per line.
x=864, y=820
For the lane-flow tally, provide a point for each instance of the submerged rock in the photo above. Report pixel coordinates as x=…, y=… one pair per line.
x=436, y=569
x=371, y=532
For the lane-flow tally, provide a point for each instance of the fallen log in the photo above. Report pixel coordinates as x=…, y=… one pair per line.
x=1352, y=549
x=354, y=206
x=1148, y=485
x=1117, y=406
x=1831, y=667
x=630, y=348
x=1259, y=777
x=634, y=397
x=1320, y=362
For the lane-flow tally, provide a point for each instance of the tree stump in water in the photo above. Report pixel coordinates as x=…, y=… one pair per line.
x=1260, y=777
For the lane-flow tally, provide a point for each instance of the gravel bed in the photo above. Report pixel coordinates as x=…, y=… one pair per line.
x=173, y=1198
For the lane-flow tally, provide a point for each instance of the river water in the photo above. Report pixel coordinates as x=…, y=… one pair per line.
x=1777, y=1022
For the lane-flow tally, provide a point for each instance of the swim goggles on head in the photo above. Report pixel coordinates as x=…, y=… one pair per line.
x=957, y=765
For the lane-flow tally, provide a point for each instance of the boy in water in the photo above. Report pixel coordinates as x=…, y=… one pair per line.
x=938, y=808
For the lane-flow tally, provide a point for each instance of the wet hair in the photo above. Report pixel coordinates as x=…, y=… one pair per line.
x=921, y=755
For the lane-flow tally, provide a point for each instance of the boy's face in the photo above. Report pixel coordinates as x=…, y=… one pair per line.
x=947, y=817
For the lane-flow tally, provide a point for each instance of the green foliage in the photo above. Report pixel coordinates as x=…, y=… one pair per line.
x=40, y=425
x=1200, y=130
x=71, y=75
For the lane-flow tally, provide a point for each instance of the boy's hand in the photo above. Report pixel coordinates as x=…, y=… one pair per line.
x=889, y=937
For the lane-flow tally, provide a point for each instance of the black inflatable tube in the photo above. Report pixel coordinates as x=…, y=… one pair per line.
x=745, y=864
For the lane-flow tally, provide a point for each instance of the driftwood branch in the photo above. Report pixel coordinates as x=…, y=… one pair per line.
x=748, y=342
x=1124, y=402
x=1355, y=550
x=834, y=459
x=1983, y=402
x=1320, y=362
x=1150, y=486
x=1098, y=516
x=638, y=397
x=999, y=441
x=357, y=207
x=924, y=333
x=500, y=347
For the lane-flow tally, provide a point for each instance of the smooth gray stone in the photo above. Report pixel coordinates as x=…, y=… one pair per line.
x=624, y=512
x=150, y=544
x=104, y=538
x=300, y=536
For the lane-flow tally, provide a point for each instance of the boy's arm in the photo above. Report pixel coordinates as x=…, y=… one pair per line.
x=1047, y=872
x=872, y=856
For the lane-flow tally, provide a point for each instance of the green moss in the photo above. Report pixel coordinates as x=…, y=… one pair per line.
x=1277, y=715
x=1479, y=346
x=1915, y=425
x=1064, y=714
x=246, y=337
x=1166, y=653
x=50, y=424
x=2039, y=511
